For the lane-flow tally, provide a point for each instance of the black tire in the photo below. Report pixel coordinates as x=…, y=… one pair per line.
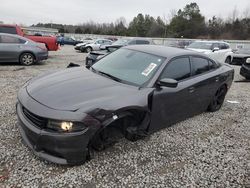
x=27, y=59
x=82, y=49
x=218, y=99
x=88, y=49
x=228, y=60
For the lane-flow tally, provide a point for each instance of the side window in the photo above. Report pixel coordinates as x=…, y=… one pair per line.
x=215, y=45
x=142, y=42
x=177, y=69
x=132, y=42
x=200, y=65
x=10, y=40
x=223, y=46
x=99, y=42
x=6, y=29
x=107, y=42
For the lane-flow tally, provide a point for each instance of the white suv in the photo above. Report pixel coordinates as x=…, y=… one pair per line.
x=216, y=50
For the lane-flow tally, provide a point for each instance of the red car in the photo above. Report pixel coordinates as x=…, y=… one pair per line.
x=49, y=41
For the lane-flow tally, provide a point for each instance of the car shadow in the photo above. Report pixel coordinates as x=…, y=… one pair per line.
x=240, y=81
x=18, y=64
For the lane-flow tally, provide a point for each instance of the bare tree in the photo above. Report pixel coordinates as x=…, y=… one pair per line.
x=233, y=15
x=246, y=12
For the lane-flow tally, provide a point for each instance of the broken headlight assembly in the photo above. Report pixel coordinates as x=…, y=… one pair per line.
x=65, y=126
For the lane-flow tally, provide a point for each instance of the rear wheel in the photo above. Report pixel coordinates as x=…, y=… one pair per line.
x=218, y=99
x=27, y=59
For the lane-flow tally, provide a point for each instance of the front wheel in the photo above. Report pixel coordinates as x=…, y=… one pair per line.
x=228, y=60
x=218, y=99
x=88, y=49
x=27, y=59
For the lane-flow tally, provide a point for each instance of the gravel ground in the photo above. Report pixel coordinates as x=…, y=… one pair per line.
x=209, y=150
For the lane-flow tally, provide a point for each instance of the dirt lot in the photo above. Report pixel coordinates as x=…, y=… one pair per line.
x=209, y=150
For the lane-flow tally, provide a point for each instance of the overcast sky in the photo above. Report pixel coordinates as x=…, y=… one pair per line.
x=78, y=11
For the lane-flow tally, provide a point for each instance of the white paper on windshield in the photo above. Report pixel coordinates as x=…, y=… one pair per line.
x=149, y=69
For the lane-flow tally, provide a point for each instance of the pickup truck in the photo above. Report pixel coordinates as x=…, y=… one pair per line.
x=49, y=41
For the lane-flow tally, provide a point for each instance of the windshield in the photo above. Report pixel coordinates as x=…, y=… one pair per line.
x=129, y=66
x=201, y=45
x=120, y=42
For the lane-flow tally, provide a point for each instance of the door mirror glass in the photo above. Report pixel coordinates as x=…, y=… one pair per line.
x=168, y=82
x=216, y=49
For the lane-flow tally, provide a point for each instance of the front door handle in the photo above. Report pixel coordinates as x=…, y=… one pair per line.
x=191, y=89
x=217, y=79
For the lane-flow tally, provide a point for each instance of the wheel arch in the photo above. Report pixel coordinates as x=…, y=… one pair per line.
x=125, y=112
x=27, y=51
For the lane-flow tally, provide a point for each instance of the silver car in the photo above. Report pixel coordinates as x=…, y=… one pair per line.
x=14, y=48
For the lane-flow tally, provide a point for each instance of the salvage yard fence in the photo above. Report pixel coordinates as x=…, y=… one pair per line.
x=234, y=44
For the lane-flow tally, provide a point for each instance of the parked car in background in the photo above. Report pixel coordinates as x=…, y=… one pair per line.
x=240, y=56
x=49, y=41
x=125, y=42
x=112, y=38
x=83, y=43
x=178, y=43
x=95, y=45
x=14, y=48
x=217, y=50
x=93, y=56
x=245, y=69
x=133, y=92
x=69, y=41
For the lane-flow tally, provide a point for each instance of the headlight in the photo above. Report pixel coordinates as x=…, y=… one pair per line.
x=65, y=126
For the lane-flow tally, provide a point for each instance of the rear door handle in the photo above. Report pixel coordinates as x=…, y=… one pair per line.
x=191, y=89
x=217, y=79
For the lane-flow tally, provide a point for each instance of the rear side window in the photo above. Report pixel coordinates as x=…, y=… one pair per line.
x=142, y=42
x=11, y=40
x=200, y=65
x=10, y=30
x=178, y=69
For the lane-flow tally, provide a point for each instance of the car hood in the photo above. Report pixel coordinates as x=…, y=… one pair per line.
x=82, y=44
x=78, y=88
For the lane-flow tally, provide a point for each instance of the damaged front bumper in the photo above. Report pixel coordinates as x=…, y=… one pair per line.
x=61, y=148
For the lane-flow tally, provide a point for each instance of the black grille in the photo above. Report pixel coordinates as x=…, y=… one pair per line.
x=34, y=119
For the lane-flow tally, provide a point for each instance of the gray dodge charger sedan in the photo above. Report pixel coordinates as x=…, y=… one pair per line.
x=14, y=48
x=131, y=92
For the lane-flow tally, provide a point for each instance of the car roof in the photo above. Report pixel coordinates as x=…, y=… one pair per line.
x=16, y=36
x=211, y=41
x=163, y=51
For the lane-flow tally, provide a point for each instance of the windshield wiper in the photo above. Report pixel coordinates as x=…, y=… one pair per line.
x=107, y=75
x=110, y=76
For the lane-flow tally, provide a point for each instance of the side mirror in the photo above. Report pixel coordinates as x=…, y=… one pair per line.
x=168, y=82
x=216, y=49
x=248, y=61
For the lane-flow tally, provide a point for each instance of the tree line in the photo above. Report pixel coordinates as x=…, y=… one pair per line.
x=184, y=23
